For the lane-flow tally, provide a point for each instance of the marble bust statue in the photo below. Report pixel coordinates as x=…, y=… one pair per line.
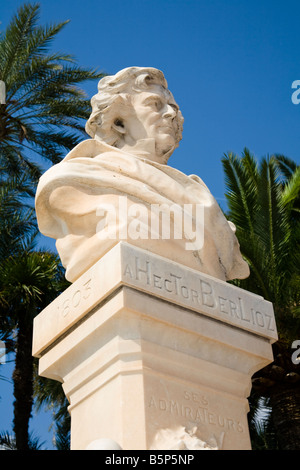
x=109, y=187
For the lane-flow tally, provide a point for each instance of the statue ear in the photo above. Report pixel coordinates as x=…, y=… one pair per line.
x=118, y=126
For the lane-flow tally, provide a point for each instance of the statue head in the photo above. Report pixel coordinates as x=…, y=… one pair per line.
x=135, y=107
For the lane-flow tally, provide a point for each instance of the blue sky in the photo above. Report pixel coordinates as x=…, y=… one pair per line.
x=230, y=65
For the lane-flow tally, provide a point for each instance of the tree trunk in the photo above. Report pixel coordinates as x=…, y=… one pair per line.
x=285, y=404
x=23, y=384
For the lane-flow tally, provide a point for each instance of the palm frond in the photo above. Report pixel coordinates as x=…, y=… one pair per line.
x=14, y=42
x=44, y=100
x=7, y=442
x=260, y=204
x=286, y=166
x=291, y=191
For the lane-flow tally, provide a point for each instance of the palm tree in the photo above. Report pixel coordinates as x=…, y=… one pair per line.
x=7, y=442
x=44, y=106
x=43, y=116
x=17, y=218
x=263, y=435
x=29, y=281
x=17, y=228
x=263, y=203
x=50, y=393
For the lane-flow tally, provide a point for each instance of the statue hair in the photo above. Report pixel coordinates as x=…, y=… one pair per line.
x=115, y=89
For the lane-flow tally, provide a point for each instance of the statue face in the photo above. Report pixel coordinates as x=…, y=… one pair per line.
x=154, y=116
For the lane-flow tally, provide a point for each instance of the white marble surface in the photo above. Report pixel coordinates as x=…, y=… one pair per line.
x=117, y=186
x=148, y=368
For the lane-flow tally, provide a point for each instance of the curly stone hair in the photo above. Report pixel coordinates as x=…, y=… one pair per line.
x=115, y=89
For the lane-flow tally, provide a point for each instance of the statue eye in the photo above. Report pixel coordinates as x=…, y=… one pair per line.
x=154, y=103
x=158, y=104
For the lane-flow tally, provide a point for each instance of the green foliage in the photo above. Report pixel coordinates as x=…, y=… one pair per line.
x=8, y=442
x=17, y=219
x=28, y=281
x=263, y=202
x=49, y=394
x=43, y=116
x=44, y=108
x=263, y=206
x=262, y=432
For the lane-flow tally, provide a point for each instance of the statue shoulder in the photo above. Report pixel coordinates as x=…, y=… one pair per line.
x=87, y=148
x=198, y=180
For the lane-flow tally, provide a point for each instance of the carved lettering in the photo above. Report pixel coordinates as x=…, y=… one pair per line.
x=195, y=295
x=233, y=309
x=194, y=291
x=188, y=412
x=260, y=319
x=207, y=294
x=176, y=279
x=243, y=317
x=152, y=402
x=167, y=282
x=157, y=281
x=87, y=290
x=74, y=300
x=195, y=397
x=140, y=271
x=222, y=303
x=270, y=322
x=127, y=271
x=195, y=414
x=65, y=307
x=211, y=418
x=174, y=407
x=184, y=292
x=162, y=404
x=200, y=415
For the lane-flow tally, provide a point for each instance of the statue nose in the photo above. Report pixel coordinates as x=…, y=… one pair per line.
x=169, y=111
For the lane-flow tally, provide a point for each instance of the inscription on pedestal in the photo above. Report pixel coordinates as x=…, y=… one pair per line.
x=125, y=332
x=199, y=292
x=196, y=411
x=126, y=265
x=205, y=414
x=75, y=299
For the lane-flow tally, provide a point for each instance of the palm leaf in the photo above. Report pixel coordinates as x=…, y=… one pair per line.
x=43, y=101
x=241, y=190
x=13, y=44
x=291, y=191
x=286, y=166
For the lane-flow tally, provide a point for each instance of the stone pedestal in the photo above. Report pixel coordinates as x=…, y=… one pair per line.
x=154, y=355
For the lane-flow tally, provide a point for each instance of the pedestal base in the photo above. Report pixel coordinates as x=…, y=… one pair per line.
x=153, y=355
